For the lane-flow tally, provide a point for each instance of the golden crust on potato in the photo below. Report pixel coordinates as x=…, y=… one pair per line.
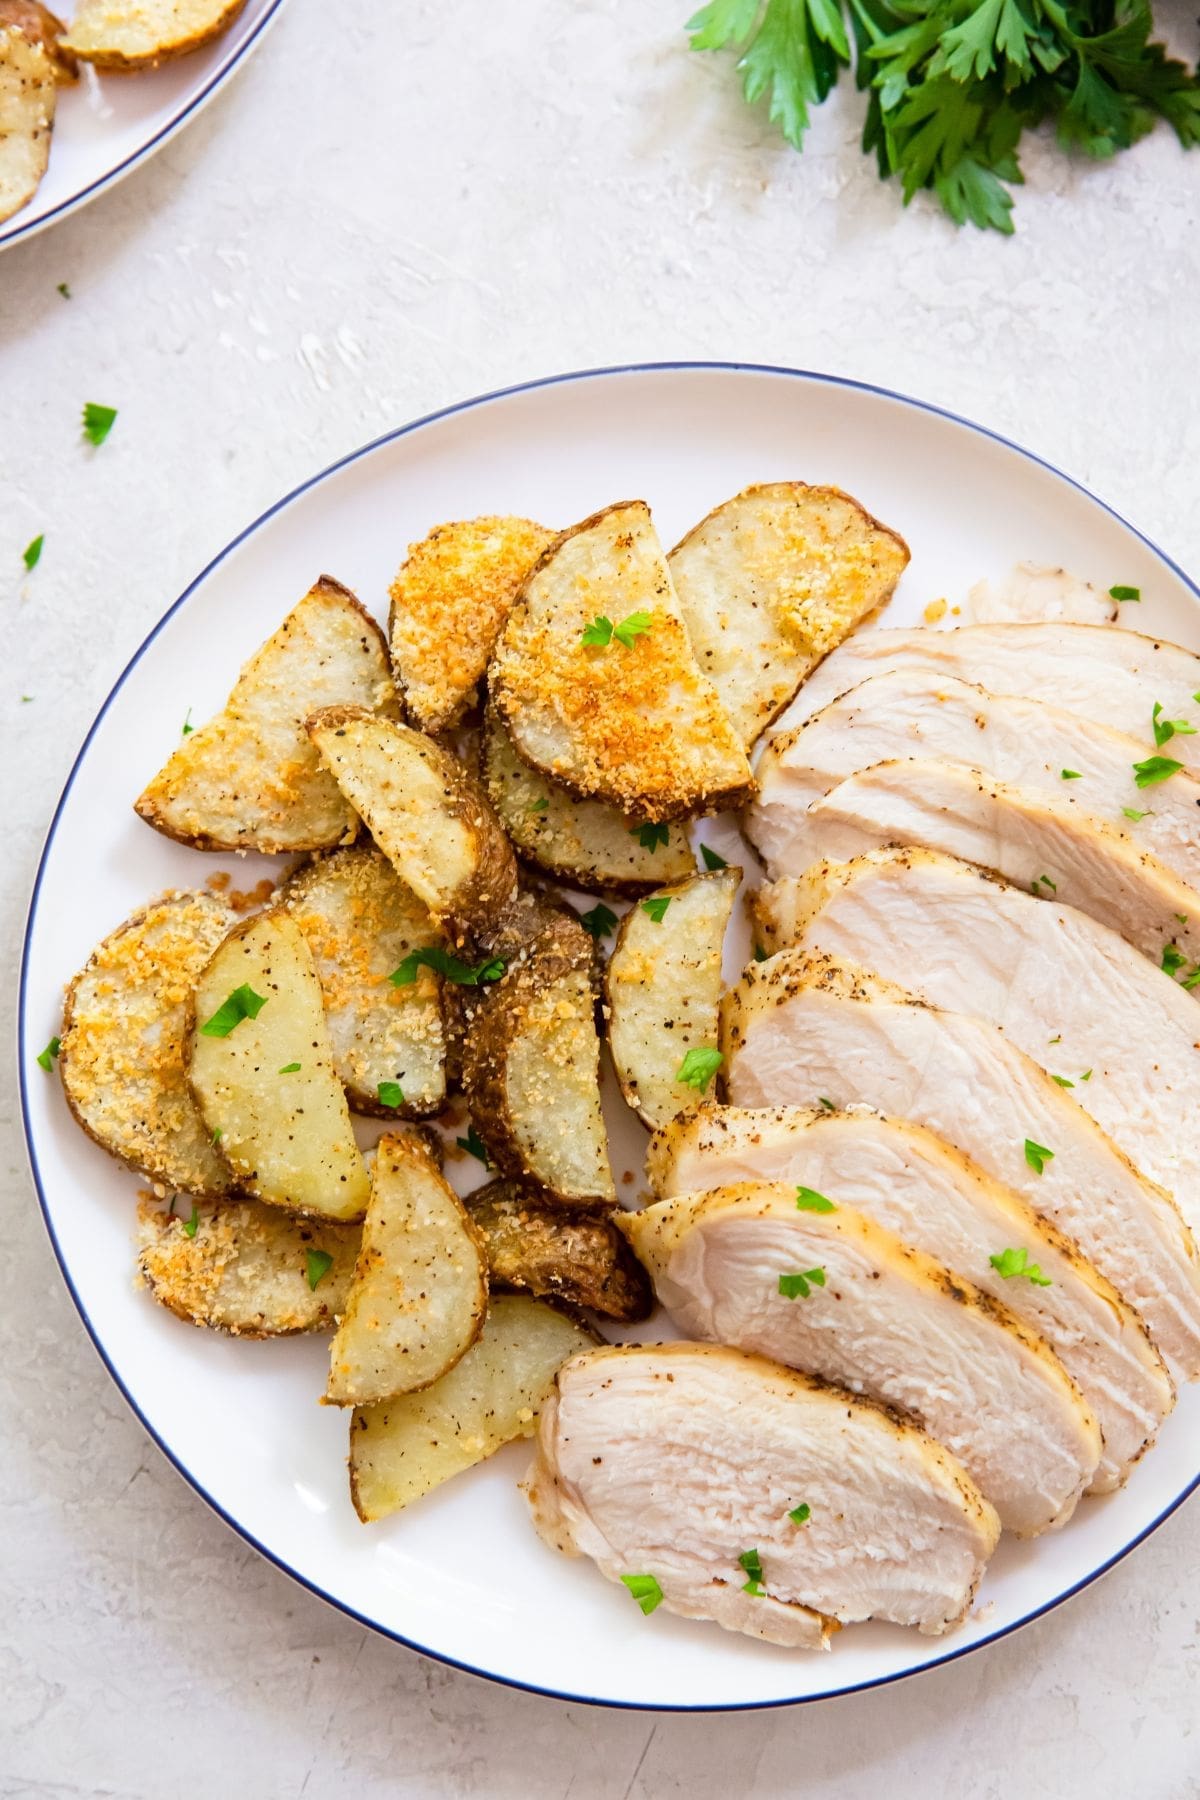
x=28, y=98
x=450, y=600
x=537, y=1246
x=119, y=35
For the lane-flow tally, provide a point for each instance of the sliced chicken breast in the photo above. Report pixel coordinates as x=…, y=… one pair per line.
x=676, y=1461
x=801, y=1030
x=1029, y=838
x=841, y=1297
x=1068, y=991
x=930, y=1195
x=1028, y=743
x=1029, y=594
x=1114, y=676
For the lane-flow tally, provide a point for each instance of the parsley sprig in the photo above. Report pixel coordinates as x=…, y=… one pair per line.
x=443, y=963
x=601, y=632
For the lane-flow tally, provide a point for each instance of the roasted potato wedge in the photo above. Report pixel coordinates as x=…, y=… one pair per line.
x=126, y=1024
x=428, y=816
x=631, y=720
x=537, y=1246
x=449, y=603
x=419, y=1293
x=531, y=1068
x=41, y=26
x=663, y=989
x=581, y=842
x=245, y=1268
x=139, y=34
x=773, y=580
x=401, y=1449
x=360, y=922
x=250, y=779
x=28, y=98
x=261, y=1068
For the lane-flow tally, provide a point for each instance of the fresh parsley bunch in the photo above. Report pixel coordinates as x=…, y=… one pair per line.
x=952, y=84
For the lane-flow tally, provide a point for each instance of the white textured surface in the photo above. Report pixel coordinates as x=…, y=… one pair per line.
x=480, y=195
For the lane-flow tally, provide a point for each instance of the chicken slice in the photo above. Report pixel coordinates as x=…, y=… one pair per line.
x=910, y=713
x=675, y=1460
x=929, y=1194
x=1028, y=838
x=1068, y=991
x=1116, y=676
x=1030, y=594
x=841, y=1297
x=800, y=1030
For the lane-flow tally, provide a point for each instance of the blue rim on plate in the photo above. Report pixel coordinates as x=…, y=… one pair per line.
x=23, y=1045
x=175, y=123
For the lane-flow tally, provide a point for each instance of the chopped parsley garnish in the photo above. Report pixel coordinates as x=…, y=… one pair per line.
x=473, y=1145
x=827, y=1104
x=760, y=955
x=711, y=859
x=1182, y=917
x=1166, y=729
x=1062, y=1081
x=1131, y=812
x=443, y=963
x=602, y=631
x=645, y=1590
x=1172, y=959
x=541, y=805
x=1086, y=1076
x=808, y=1200
x=31, y=555
x=1011, y=1263
x=243, y=1003
x=698, y=1068
x=800, y=1284
x=290, y=1069
x=64, y=290
x=1057, y=1040
x=800, y=1515
x=651, y=837
x=97, y=422
x=599, y=922
x=390, y=1093
x=751, y=1562
x=189, y=1225
x=1155, y=769
x=656, y=909
x=1037, y=1156
x=47, y=1056
x=1071, y=775
x=187, y=728
x=317, y=1266
x=218, y=1134
x=1125, y=593
x=1192, y=978
x=1042, y=881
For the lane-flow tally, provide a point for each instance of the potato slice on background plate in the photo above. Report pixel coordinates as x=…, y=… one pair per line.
x=139, y=34
x=581, y=842
x=537, y=1246
x=770, y=582
x=126, y=1026
x=250, y=779
x=597, y=685
x=261, y=1068
x=28, y=98
x=401, y=1449
x=360, y=922
x=531, y=1068
x=426, y=813
x=450, y=600
x=245, y=1268
x=663, y=990
x=40, y=26
x=419, y=1293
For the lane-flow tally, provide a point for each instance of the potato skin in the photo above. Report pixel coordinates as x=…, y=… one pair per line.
x=537, y=1246
x=117, y=62
x=41, y=26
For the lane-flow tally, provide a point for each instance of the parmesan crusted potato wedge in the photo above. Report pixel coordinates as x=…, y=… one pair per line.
x=531, y=1068
x=250, y=779
x=419, y=1293
x=40, y=26
x=261, y=1068
x=582, y=842
x=139, y=34
x=770, y=582
x=401, y=1449
x=663, y=992
x=360, y=922
x=28, y=97
x=597, y=684
x=536, y=1246
x=430, y=819
x=245, y=1268
x=126, y=1024
x=449, y=604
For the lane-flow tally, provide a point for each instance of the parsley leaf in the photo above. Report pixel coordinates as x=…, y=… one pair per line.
x=800, y=1284
x=1042, y=881
x=46, y=1057
x=1071, y=775
x=1155, y=769
x=390, y=1093
x=1037, y=1156
x=1125, y=593
x=791, y=51
x=827, y=1104
x=760, y=954
x=645, y=1590
x=1166, y=729
x=1011, y=1263
x=443, y=963
x=711, y=859
x=474, y=1146
x=317, y=1264
x=542, y=805
x=800, y=1515
x=650, y=837
x=602, y=631
x=243, y=1003
x=1172, y=959
x=656, y=908
x=290, y=1069
x=187, y=727
x=808, y=1200
x=598, y=633
x=64, y=290
x=751, y=1562
x=97, y=422
x=599, y=922
x=698, y=1068
x=1062, y=1081
x=1131, y=812
x=189, y=1225
x=32, y=553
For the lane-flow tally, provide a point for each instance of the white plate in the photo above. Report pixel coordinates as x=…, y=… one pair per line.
x=106, y=125
x=462, y=1576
